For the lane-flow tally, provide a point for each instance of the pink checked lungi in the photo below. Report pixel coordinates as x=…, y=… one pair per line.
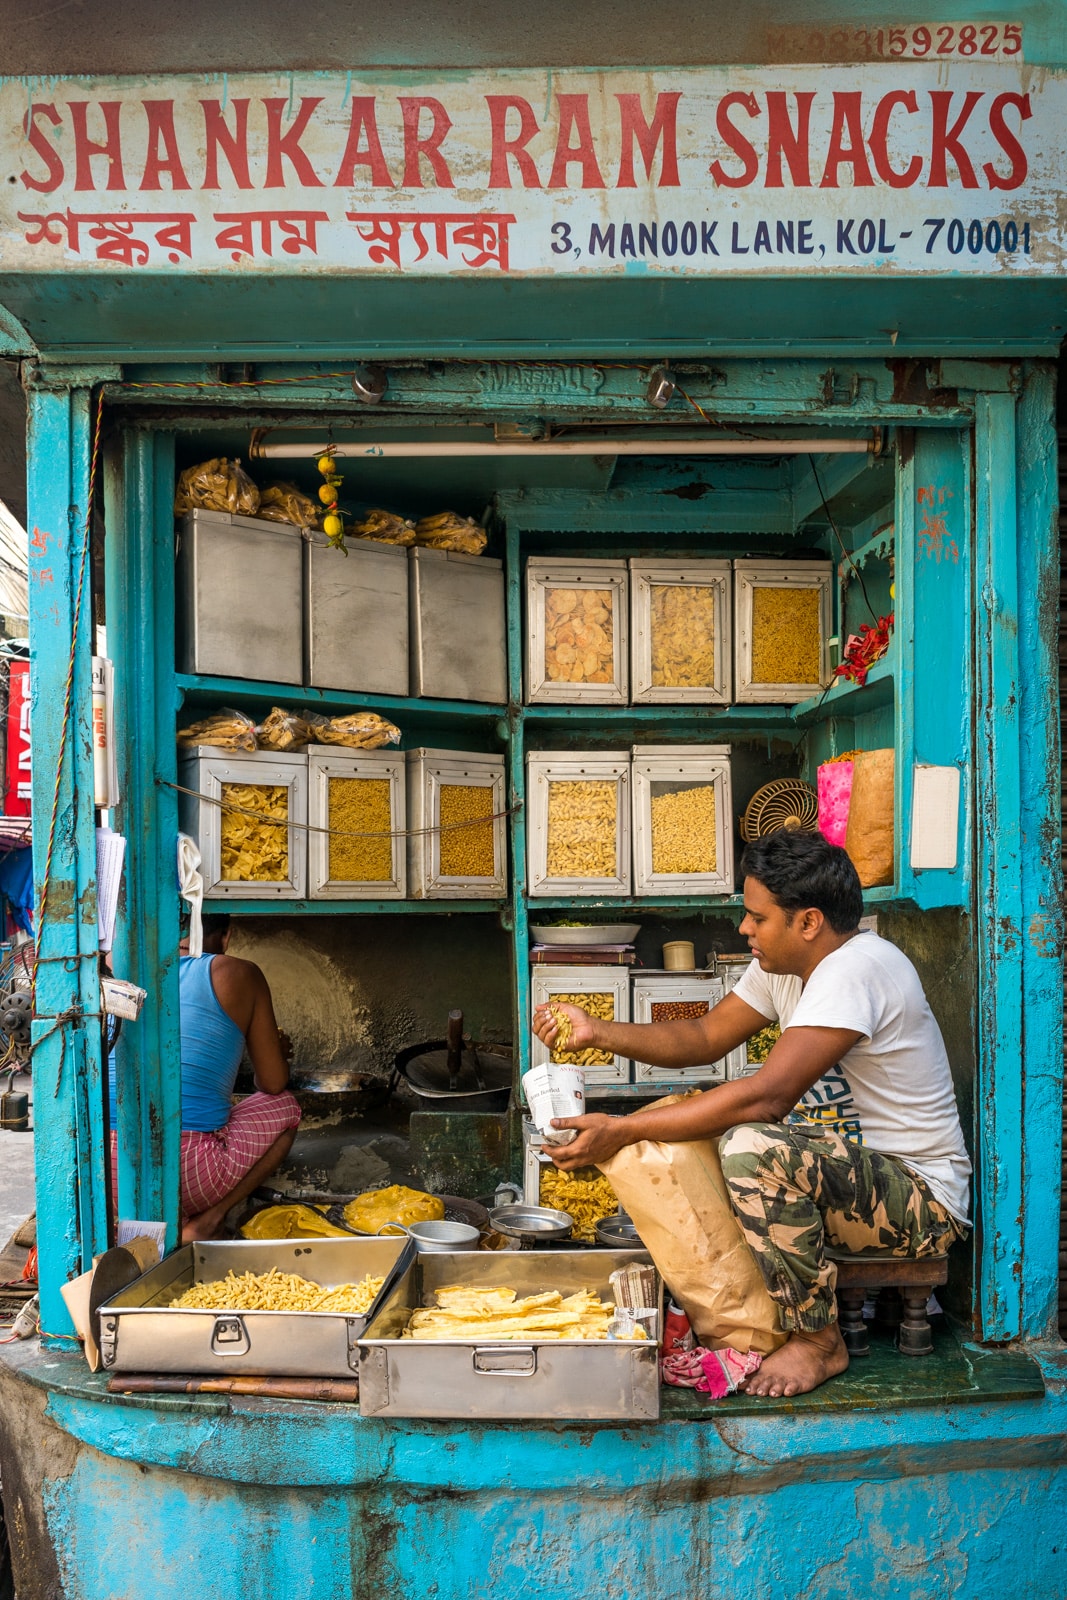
x=213, y=1164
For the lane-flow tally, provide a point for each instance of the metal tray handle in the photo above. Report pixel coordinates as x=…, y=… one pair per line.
x=229, y=1336
x=505, y=1361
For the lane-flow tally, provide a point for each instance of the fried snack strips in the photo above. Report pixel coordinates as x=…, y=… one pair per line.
x=282, y=730
x=254, y=851
x=582, y=818
x=284, y=502
x=683, y=830
x=601, y=1006
x=357, y=730
x=447, y=531
x=217, y=485
x=786, y=641
x=585, y=1194
x=384, y=527
x=224, y=730
x=278, y=1291
x=470, y=1312
x=466, y=852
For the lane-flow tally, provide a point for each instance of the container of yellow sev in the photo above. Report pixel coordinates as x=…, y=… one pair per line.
x=270, y=1307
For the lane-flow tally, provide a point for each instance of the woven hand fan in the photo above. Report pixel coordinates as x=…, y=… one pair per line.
x=785, y=803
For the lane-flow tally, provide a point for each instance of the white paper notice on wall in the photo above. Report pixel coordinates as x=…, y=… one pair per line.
x=935, y=814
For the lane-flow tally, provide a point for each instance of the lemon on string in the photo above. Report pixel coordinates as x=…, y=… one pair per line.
x=332, y=524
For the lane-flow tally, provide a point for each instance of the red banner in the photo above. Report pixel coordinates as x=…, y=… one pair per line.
x=18, y=787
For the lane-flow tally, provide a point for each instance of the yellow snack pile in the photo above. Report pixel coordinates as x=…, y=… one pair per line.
x=447, y=531
x=291, y=1222
x=683, y=830
x=761, y=1044
x=683, y=635
x=472, y=1312
x=466, y=852
x=581, y=829
x=585, y=1194
x=601, y=1006
x=278, y=1291
x=360, y=805
x=786, y=641
x=370, y=1211
x=252, y=851
x=579, y=635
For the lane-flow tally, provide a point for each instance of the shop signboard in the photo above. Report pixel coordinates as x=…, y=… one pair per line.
x=927, y=161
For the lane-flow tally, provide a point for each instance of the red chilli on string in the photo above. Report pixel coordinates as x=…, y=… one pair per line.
x=863, y=649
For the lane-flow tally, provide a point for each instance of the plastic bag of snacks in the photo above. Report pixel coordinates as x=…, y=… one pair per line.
x=282, y=730
x=225, y=729
x=283, y=502
x=385, y=527
x=217, y=485
x=359, y=730
x=447, y=531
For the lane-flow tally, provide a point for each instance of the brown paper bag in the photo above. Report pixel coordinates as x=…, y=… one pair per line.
x=869, y=838
x=677, y=1197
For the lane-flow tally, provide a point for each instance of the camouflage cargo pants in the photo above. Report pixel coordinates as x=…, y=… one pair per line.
x=796, y=1189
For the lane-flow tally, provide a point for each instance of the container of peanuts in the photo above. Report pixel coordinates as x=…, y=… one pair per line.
x=577, y=646
x=683, y=827
x=681, y=631
x=457, y=846
x=604, y=992
x=357, y=811
x=668, y=997
x=782, y=625
x=578, y=827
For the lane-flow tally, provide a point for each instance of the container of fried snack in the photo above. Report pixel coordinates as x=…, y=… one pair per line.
x=782, y=621
x=448, y=531
x=577, y=618
x=507, y=1335
x=248, y=815
x=284, y=502
x=681, y=631
x=239, y=583
x=225, y=729
x=357, y=730
x=358, y=818
x=270, y=1307
x=282, y=730
x=385, y=527
x=604, y=994
x=217, y=485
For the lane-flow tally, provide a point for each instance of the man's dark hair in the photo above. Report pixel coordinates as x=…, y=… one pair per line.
x=803, y=869
x=215, y=922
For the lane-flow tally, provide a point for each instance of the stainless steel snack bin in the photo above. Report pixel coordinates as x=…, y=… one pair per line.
x=356, y=616
x=458, y=642
x=240, y=597
x=541, y=1379
x=141, y=1332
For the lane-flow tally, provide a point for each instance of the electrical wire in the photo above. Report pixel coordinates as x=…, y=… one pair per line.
x=837, y=532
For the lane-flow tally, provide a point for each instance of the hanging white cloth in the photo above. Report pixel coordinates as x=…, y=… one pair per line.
x=191, y=886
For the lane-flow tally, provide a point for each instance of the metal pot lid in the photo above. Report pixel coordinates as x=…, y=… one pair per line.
x=526, y=1222
x=427, y=1073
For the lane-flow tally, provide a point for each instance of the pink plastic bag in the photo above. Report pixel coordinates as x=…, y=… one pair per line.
x=834, y=781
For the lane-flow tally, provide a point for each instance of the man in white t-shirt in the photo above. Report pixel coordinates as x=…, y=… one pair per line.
x=848, y=1134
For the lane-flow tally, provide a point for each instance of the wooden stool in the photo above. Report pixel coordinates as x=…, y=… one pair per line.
x=907, y=1281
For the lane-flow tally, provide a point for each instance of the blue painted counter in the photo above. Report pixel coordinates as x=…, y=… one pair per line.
x=176, y=1496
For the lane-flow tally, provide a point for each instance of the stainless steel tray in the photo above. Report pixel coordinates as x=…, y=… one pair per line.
x=140, y=1332
x=542, y=1379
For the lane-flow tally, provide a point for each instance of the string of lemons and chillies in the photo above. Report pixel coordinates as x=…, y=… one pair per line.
x=332, y=523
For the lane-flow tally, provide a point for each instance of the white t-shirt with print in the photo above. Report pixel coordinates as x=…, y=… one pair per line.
x=893, y=1090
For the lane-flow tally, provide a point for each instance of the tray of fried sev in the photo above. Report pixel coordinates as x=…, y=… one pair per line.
x=521, y=1334
x=270, y=1307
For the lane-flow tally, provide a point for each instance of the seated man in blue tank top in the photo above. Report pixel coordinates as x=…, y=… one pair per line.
x=227, y=1150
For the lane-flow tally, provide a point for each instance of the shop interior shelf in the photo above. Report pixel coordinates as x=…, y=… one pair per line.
x=253, y=692
x=347, y=908
x=850, y=699
x=706, y=720
x=647, y=902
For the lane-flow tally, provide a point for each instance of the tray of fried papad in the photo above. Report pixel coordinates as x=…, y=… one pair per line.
x=530, y=1334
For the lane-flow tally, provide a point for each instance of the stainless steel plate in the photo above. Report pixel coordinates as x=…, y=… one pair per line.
x=526, y=1222
x=588, y=933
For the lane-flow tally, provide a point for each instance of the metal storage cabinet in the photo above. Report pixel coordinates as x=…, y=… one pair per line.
x=577, y=986
x=240, y=588
x=436, y=779
x=577, y=650
x=458, y=648
x=665, y=997
x=669, y=826
x=579, y=817
x=210, y=774
x=681, y=631
x=782, y=620
x=356, y=616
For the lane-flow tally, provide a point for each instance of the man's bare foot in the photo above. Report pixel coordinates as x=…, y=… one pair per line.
x=803, y=1362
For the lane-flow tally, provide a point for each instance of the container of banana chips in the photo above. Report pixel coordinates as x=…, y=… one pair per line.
x=502, y=1334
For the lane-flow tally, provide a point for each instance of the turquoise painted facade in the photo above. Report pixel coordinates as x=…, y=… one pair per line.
x=918, y=1480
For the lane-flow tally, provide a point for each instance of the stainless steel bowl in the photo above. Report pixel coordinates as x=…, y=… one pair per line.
x=588, y=933
x=532, y=1222
x=619, y=1232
